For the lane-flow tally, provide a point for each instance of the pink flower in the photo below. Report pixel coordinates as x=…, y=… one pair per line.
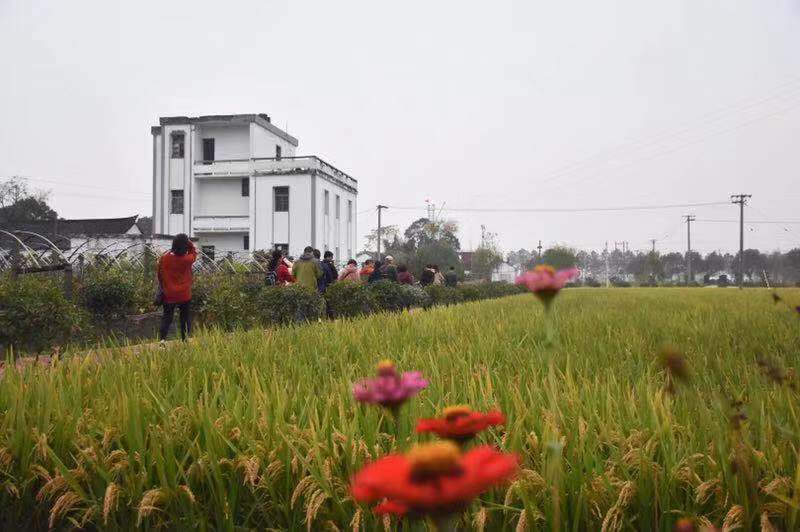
x=389, y=388
x=545, y=282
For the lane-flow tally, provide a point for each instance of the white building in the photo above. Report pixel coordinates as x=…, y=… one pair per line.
x=505, y=272
x=235, y=183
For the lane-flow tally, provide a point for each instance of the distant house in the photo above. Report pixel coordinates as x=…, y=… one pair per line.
x=505, y=272
x=236, y=184
x=466, y=259
x=88, y=236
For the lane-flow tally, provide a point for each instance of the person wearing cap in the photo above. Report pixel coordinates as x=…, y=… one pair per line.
x=389, y=270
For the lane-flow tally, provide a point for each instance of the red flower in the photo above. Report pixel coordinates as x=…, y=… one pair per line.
x=460, y=423
x=433, y=478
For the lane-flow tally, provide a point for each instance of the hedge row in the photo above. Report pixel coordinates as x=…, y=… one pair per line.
x=35, y=315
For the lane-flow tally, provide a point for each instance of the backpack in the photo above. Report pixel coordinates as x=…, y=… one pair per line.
x=271, y=278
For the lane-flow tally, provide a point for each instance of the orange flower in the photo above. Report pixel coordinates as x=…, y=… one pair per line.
x=460, y=423
x=434, y=478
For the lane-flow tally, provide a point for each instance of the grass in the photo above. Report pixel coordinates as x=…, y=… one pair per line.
x=258, y=429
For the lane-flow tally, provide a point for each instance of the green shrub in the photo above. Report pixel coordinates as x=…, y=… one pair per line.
x=443, y=295
x=470, y=292
x=348, y=299
x=109, y=293
x=388, y=295
x=282, y=305
x=224, y=301
x=35, y=315
x=415, y=296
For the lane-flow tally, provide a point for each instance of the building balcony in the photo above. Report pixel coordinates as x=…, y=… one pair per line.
x=221, y=224
x=272, y=166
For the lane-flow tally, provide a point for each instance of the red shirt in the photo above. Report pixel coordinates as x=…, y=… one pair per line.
x=283, y=273
x=175, y=275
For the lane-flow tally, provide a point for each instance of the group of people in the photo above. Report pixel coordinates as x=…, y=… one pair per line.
x=318, y=271
x=312, y=269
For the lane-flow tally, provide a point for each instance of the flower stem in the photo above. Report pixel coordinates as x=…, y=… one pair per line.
x=445, y=523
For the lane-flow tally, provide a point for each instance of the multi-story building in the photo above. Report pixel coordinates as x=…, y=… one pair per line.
x=235, y=183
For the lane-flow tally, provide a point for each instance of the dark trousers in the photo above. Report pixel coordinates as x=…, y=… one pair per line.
x=169, y=313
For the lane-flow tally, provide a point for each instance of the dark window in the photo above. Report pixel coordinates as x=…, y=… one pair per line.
x=176, y=203
x=245, y=186
x=277, y=152
x=327, y=202
x=177, y=145
x=281, y=199
x=208, y=252
x=349, y=211
x=338, y=209
x=208, y=149
x=246, y=242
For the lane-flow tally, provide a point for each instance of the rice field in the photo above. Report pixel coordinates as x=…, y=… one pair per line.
x=259, y=429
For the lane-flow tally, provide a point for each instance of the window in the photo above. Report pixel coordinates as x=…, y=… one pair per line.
x=246, y=242
x=283, y=246
x=176, y=202
x=177, y=145
x=349, y=254
x=327, y=202
x=278, y=152
x=349, y=210
x=338, y=209
x=281, y=195
x=208, y=252
x=208, y=149
x=245, y=187
x=337, y=253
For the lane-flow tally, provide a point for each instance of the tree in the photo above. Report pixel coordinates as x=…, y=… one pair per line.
x=714, y=262
x=388, y=234
x=423, y=231
x=19, y=204
x=673, y=264
x=754, y=262
x=520, y=258
x=486, y=258
x=560, y=257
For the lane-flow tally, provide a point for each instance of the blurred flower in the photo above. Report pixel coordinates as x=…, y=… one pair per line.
x=797, y=309
x=460, y=423
x=389, y=388
x=674, y=363
x=545, y=282
x=434, y=478
x=684, y=525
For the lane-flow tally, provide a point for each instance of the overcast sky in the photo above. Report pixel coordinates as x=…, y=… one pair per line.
x=472, y=104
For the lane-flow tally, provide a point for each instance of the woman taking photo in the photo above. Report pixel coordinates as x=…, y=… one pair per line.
x=175, y=282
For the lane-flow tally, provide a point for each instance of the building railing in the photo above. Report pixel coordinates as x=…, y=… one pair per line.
x=271, y=165
x=232, y=223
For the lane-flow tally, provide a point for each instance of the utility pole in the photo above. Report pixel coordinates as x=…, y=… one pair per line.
x=380, y=208
x=653, y=241
x=605, y=255
x=741, y=200
x=539, y=247
x=689, y=219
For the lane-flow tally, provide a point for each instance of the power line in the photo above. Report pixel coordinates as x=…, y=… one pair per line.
x=789, y=88
x=570, y=209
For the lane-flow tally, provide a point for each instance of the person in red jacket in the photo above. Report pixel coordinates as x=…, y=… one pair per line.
x=279, y=272
x=175, y=280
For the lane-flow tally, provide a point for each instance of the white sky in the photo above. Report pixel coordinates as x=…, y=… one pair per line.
x=477, y=104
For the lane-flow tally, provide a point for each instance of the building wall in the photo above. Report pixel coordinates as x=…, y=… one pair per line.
x=222, y=242
x=333, y=233
x=177, y=175
x=264, y=142
x=268, y=227
x=220, y=197
x=230, y=141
